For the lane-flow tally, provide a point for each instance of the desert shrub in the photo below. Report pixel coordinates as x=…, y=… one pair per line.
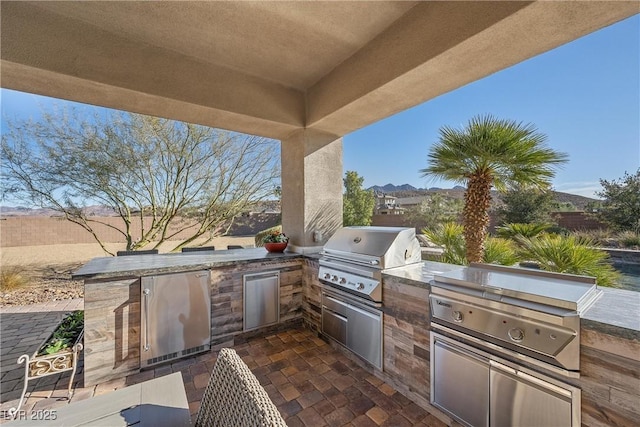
x=629, y=239
x=524, y=205
x=598, y=237
x=511, y=230
x=449, y=236
x=261, y=235
x=569, y=255
x=12, y=278
x=601, y=237
x=500, y=251
x=556, y=229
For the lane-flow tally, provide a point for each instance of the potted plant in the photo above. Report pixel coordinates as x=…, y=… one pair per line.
x=58, y=353
x=275, y=241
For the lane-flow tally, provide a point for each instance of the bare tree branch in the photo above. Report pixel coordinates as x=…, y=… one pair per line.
x=152, y=170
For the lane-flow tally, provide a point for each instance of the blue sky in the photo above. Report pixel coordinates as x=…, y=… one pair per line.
x=585, y=96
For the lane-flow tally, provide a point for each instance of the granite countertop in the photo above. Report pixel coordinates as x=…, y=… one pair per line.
x=422, y=273
x=145, y=265
x=616, y=312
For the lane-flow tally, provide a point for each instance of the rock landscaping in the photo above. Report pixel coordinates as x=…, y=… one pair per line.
x=45, y=283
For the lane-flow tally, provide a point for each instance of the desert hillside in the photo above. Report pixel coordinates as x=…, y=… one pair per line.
x=406, y=191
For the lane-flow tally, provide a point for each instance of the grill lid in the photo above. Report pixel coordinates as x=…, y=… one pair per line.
x=381, y=247
x=553, y=289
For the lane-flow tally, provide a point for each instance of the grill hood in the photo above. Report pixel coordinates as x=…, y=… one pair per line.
x=378, y=247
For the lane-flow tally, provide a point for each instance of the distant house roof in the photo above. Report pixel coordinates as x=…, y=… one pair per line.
x=410, y=201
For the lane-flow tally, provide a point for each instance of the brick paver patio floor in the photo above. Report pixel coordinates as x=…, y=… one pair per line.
x=311, y=383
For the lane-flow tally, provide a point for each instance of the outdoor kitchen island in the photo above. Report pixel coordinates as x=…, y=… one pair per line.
x=113, y=301
x=609, y=332
x=609, y=375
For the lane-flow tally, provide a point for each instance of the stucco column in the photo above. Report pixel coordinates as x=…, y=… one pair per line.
x=311, y=189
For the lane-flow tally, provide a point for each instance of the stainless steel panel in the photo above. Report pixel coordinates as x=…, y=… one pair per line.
x=261, y=300
x=176, y=316
x=460, y=383
x=553, y=289
x=382, y=247
x=335, y=305
x=516, y=330
x=334, y=325
x=517, y=395
x=504, y=352
x=354, y=324
x=521, y=400
x=364, y=334
x=360, y=286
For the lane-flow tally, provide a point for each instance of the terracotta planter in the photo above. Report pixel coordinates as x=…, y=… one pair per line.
x=276, y=247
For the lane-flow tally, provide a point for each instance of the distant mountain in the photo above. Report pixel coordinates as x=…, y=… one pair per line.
x=7, y=211
x=390, y=188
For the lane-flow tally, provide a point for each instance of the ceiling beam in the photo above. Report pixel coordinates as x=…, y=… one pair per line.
x=52, y=55
x=440, y=46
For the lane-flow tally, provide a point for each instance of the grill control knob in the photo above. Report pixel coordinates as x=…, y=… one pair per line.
x=334, y=279
x=360, y=286
x=343, y=281
x=516, y=334
x=327, y=276
x=457, y=316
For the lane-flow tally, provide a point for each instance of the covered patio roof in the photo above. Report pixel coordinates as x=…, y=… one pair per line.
x=269, y=68
x=306, y=73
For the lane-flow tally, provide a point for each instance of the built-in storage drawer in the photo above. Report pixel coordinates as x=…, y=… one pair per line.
x=354, y=325
x=334, y=319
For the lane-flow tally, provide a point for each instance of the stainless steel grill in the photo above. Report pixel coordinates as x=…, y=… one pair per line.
x=351, y=269
x=513, y=335
x=355, y=257
x=531, y=312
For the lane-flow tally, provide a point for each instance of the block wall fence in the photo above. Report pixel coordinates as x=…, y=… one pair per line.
x=39, y=230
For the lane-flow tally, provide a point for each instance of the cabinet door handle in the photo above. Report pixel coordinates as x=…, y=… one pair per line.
x=559, y=390
x=146, y=293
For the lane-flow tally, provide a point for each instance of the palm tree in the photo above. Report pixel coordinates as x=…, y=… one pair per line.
x=488, y=153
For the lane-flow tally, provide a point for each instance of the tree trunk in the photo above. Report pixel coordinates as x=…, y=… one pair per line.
x=477, y=200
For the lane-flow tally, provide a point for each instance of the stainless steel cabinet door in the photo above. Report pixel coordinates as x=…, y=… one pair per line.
x=461, y=383
x=521, y=400
x=364, y=334
x=176, y=316
x=261, y=300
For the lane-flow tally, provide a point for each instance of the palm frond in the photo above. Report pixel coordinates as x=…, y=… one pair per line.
x=569, y=255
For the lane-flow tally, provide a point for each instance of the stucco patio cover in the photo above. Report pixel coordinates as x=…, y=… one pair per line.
x=279, y=69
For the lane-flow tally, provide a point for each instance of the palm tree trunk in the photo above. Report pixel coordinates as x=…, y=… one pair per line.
x=477, y=200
